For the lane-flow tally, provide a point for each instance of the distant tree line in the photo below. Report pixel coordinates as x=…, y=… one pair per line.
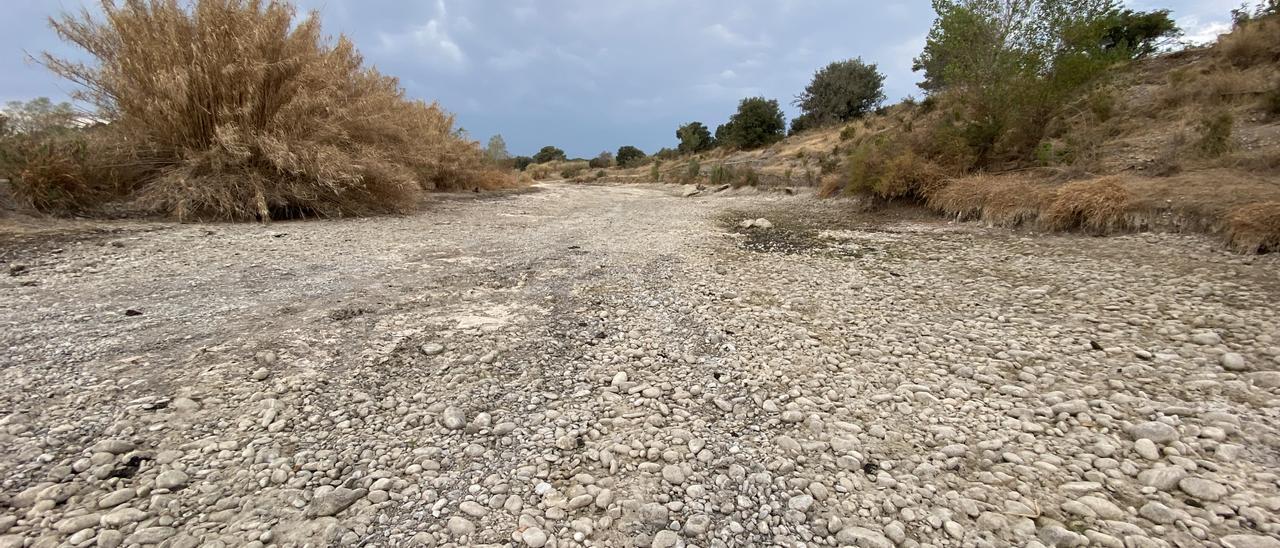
x=1004, y=65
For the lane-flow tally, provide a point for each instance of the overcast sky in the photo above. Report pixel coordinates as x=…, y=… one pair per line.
x=591, y=75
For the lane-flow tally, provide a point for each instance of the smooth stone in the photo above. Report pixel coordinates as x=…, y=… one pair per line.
x=1157, y=432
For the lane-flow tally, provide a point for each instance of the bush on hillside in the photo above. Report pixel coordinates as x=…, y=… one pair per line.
x=1215, y=134
x=521, y=162
x=558, y=169
x=665, y=153
x=569, y=170
x=758, y=122
x=602, y=160
x=801, y=124
x=694, y=138
x=629, y=156
x=234, y=109
x=840, y=92
x=692, y=170
x=549, y=154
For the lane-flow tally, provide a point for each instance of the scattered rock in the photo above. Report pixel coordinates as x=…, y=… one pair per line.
x=453, y=418
x=171, y=479
x=1157, y=432
x=333, y=502
x=1234, y=362
x=1202, y=489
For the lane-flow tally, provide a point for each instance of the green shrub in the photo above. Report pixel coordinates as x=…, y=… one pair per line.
x=602, y=160
x=1051, y=153
x=694, y=138
x=1102, y=105
x=848, y=132
x=522, y=162
x=1215, y=134
x=693, y=170
x=801, y=124
x=861, y=174
x=655, y=171
x=840, y=92
x=573, y=169
x=758, y=122
x=720, y=175
x=629, y=156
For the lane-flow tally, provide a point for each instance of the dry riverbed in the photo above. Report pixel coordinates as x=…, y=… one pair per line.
x=623, y=366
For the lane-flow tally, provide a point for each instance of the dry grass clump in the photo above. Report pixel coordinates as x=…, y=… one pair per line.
x=568, y=169
x=998, y=200
x=1253, y=42
x=68, y=172
x=232, y=110
x=1097, y=206
x=1254, y=228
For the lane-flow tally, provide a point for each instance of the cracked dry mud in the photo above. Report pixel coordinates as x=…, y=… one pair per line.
x=620, y=366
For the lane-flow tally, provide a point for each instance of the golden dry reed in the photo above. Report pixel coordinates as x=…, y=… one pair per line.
x=232, y=109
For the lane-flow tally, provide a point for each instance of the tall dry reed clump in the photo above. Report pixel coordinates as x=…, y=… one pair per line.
x=231, y=110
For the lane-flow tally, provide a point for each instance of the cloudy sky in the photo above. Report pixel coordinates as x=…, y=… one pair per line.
x=591, y=75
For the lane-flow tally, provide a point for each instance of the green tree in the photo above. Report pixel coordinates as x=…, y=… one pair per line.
x=1138, y=33
x=629, y=156
x=37, y=116
x=549, y=154
x=840, y=92
x=521, y=162
x=694, y=138
x=497, y=149
x=758, y=122
x=1009, y=65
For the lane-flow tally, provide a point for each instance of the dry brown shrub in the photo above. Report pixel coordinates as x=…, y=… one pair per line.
x=51, y=174
x=1252, y=43
x=907, y=174
x=831, y=185
x=1097, y=206
x=1255, y=228
x=998, y=200
x=234, y=110
x=567, y=169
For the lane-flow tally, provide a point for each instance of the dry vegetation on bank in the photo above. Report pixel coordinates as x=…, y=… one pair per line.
x=1182, y=141
x=233, y=109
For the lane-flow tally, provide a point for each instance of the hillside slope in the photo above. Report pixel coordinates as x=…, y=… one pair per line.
x=1183, y=141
